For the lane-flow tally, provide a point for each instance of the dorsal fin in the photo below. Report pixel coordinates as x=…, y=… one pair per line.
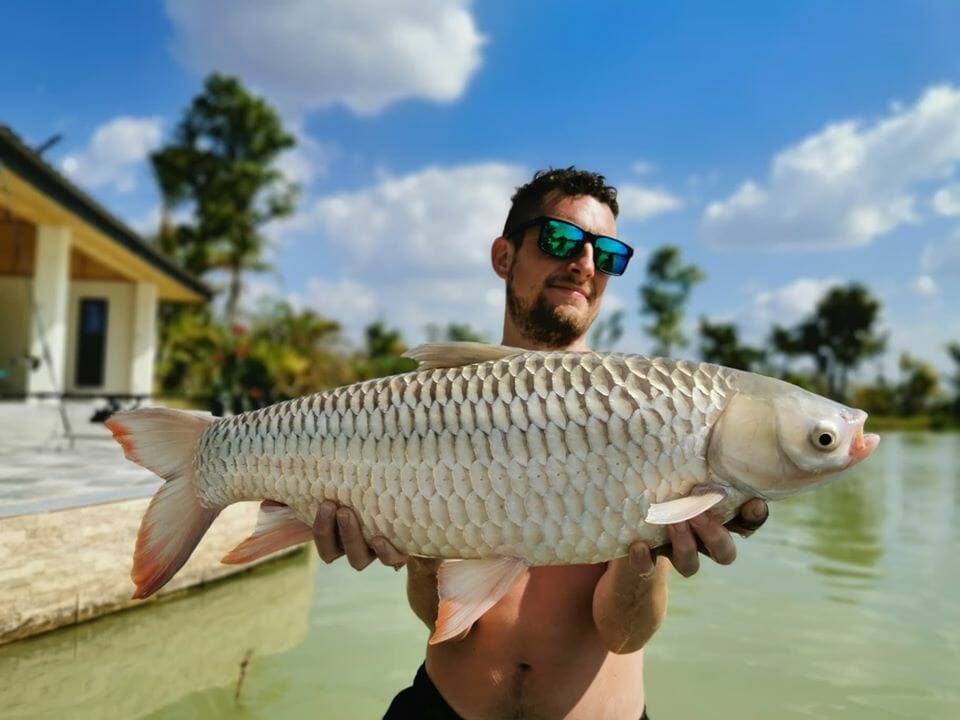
x=455, y=354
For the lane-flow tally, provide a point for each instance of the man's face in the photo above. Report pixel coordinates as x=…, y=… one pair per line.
x=552, y=301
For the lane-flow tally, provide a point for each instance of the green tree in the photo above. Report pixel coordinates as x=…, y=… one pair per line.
x=839, y=335
x=221, y=163
x=918, y=386
x=664, y=296
x=303, y=352
x=719, y=343
x=383, y=350
x=454, y=332
x=189, y=354
x=953, y=349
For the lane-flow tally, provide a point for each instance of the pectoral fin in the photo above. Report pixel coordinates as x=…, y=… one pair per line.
x=674, y=511
x=468, y=588
x=277, y=528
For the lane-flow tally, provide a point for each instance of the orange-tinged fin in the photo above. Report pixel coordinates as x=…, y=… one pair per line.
x=277, y=528
x=674, y=511
x=165, y=441
x=468, y=588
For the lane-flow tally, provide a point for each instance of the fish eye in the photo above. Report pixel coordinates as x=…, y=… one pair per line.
x=824, y=438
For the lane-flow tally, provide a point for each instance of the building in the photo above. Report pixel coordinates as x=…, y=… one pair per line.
x=79, y=289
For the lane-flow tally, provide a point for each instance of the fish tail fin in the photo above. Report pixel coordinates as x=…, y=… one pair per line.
x=165, y=441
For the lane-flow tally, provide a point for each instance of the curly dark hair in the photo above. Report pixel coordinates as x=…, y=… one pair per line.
x=528, y=201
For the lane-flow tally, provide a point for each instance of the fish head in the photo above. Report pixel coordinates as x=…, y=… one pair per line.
x=779, y=439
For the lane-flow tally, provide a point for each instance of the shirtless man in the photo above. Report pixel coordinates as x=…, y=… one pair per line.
x=564, y=642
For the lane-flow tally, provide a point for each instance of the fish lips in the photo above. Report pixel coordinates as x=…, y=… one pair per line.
x=862, y=446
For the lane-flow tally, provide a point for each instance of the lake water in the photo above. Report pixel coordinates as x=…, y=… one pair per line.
x=845, y=605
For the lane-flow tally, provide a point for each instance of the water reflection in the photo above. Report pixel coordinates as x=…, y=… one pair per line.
x=840, y=526
x=131, y=663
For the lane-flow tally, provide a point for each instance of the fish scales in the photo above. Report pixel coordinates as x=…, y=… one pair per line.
x=554, y=457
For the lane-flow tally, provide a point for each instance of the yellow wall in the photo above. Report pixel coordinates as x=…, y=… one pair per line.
x=14, y=332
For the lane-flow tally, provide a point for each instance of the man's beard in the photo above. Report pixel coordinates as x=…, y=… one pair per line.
x=542, y=323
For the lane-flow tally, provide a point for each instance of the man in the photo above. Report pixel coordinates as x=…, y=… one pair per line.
x=565, y=642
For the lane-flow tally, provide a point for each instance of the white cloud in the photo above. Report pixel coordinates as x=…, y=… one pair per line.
x=306, y=161
x=846, y=185
x=925, y=285
x=419, y=242
x=642, y=167
x=437, y=220
x=309, y=54
x=115, y=152
x=641, y=203
x=790, y=304
x=946, y=201
x=147, y=224
x=345, y=300
x=942, y=258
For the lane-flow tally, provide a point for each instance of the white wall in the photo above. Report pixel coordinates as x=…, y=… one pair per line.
x=120, y=297
x=15, y=330
x=143, y=330
x=50, y=279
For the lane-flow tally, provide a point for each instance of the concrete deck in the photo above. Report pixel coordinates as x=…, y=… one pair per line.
x=39, y=470
x=68, y=523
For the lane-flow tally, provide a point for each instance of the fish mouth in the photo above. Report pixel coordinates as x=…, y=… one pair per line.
x=862, y=446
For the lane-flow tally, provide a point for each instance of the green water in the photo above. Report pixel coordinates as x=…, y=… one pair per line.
x=846, y=605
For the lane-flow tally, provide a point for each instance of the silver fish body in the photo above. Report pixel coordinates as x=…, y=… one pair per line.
x=551, y=457
x=492, y=455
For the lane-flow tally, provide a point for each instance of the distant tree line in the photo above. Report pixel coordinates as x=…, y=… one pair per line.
x=837, y=338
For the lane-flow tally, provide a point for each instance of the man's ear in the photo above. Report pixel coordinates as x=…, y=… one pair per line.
x=501, y=256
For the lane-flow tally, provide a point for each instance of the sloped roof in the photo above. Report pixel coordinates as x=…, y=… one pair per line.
x=24, y=162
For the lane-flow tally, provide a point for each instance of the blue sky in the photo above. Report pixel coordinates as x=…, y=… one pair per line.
x=783, y=146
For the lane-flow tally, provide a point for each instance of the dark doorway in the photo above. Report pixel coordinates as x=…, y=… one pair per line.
x=92, y=342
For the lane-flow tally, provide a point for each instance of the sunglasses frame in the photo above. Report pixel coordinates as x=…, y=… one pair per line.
x=588, y=237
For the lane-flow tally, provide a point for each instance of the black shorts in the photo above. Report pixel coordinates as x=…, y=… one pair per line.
x=422, y=701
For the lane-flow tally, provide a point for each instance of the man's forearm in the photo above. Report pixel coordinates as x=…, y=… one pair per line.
x=628, y=607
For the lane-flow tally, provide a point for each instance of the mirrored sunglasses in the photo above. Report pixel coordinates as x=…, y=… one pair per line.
x=564, y=240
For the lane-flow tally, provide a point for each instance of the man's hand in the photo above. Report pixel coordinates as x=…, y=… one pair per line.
x=336, y=532
x=704, y=534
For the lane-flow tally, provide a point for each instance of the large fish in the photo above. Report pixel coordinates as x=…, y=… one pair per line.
x=500, y=457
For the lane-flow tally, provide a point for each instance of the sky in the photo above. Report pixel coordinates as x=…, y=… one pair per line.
x=784, y=147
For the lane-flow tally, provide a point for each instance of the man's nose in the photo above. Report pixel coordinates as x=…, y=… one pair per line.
x=582, y=264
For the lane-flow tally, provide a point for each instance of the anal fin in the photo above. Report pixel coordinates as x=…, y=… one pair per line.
x=277, y=528
x=468, y=588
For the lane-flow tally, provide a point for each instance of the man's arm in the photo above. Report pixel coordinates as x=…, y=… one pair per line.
x=630, y=600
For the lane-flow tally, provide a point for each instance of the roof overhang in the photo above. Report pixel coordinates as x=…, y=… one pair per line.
x=36, y=192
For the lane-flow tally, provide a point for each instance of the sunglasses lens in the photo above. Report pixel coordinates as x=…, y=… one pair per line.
x=612, y=256
x=560, y=239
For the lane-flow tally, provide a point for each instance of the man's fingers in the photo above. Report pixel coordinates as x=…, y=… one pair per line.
x=752, y=515
x=325, y=535
x=387, y=553
x=716, y=538
x=641, y=560
x=684, y=556
x=359, y=554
